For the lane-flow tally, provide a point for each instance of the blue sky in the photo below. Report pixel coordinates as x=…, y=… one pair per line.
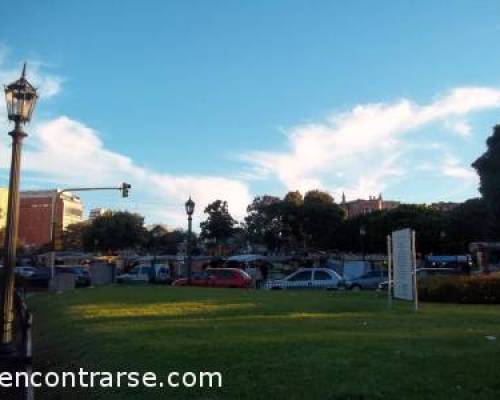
x=232, y=99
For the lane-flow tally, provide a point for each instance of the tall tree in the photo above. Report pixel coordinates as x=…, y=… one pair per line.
x=488, y=168
x=322, y=220
x=115, y=231
x=263, y=222
x=427, y=223
x=466, y=223
x=73, y=236
x=292, y=219
x=219, y=224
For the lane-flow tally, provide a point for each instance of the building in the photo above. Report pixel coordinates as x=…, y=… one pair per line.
x=43, y=211
x=444, y=206
x=4, y=200
x=151, y=227
x=358, y=207
x=98, y=212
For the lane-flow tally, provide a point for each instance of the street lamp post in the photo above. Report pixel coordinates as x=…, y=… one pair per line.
x=20, y=97
x=362, y=234
x=189, y=211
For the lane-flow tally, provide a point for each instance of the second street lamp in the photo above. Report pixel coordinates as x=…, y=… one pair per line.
x=20, y=97
x=189, y=211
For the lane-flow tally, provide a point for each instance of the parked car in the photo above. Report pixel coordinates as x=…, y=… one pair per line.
x=82, y=274
x=25, y=272
x=159, y=273
x=423, y=273
x=138, y=274
x=308, y=278
x=219, y=278
x=369, y=280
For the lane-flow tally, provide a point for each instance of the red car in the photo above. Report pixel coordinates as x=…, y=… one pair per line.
x=218, y=277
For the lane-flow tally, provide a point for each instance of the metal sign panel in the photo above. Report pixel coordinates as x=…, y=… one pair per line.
x=402, y=248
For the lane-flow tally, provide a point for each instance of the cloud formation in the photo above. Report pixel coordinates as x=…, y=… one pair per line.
x=72, y=154
x=68, y=153
x=360, y=152
x=363, y=150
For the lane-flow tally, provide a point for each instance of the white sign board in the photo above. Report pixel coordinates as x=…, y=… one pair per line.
x=402, y=244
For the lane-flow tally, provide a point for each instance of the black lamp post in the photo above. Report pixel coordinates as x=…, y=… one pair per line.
x=20, y=97
x=362, y=234
x=189, y=211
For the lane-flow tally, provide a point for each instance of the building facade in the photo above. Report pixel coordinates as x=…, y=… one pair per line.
x=44, y=213
x=358, y=207
x=4, y=200
x=98, y=212
x=444, y=206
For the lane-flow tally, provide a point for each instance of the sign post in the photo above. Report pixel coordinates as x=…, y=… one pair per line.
x=404, y=265
x=389, y=270
x=415, y=286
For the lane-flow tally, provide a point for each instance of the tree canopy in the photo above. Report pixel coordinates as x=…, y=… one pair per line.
x=488, y=169
x=219, y=224
x=114, y=231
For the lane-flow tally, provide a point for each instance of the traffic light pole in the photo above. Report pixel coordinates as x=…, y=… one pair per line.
x=124, y=188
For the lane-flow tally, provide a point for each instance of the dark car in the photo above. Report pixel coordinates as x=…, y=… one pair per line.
x=82, y=274
x=423, y=273
x=369, y=280
x=38, y=278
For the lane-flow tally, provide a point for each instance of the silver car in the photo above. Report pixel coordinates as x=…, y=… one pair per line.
x=369, y=280
x=308, y=278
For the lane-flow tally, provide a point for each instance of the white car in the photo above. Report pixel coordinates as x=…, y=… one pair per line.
x=25, y=272
x=308, y=278
x=137, y=274
x=146, y=274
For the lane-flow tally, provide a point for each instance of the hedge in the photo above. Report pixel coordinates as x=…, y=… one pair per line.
x=473, y=289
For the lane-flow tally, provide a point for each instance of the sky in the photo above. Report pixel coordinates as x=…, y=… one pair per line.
x=233, y=99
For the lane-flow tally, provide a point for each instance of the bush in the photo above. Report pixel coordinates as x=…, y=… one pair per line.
x=475, y=289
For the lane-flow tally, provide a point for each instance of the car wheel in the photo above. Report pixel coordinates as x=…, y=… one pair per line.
x=356, y=288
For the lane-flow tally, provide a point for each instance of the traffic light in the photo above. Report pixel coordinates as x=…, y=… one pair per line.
x=125, y=189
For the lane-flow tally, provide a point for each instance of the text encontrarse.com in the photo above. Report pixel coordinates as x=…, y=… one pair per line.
x=91, y=379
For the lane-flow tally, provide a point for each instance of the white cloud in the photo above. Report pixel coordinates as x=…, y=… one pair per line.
x=462, y=128
x=68, y=152
x=360, y=152
x=368, y=144
x=452, y=167
x=48, y=85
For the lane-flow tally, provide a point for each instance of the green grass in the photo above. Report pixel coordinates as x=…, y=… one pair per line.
x=271, y=345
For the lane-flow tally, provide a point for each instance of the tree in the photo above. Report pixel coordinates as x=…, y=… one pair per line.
x=156, y=239
x=219, y=224
x=73, y=236
x=115, y=231
x=322, y=220
x=427, y=223
x=263, y=222
x=488, y=168
x=292, y=219
x=466, y=223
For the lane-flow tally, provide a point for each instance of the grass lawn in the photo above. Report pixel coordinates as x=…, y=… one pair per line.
x=270, y=345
